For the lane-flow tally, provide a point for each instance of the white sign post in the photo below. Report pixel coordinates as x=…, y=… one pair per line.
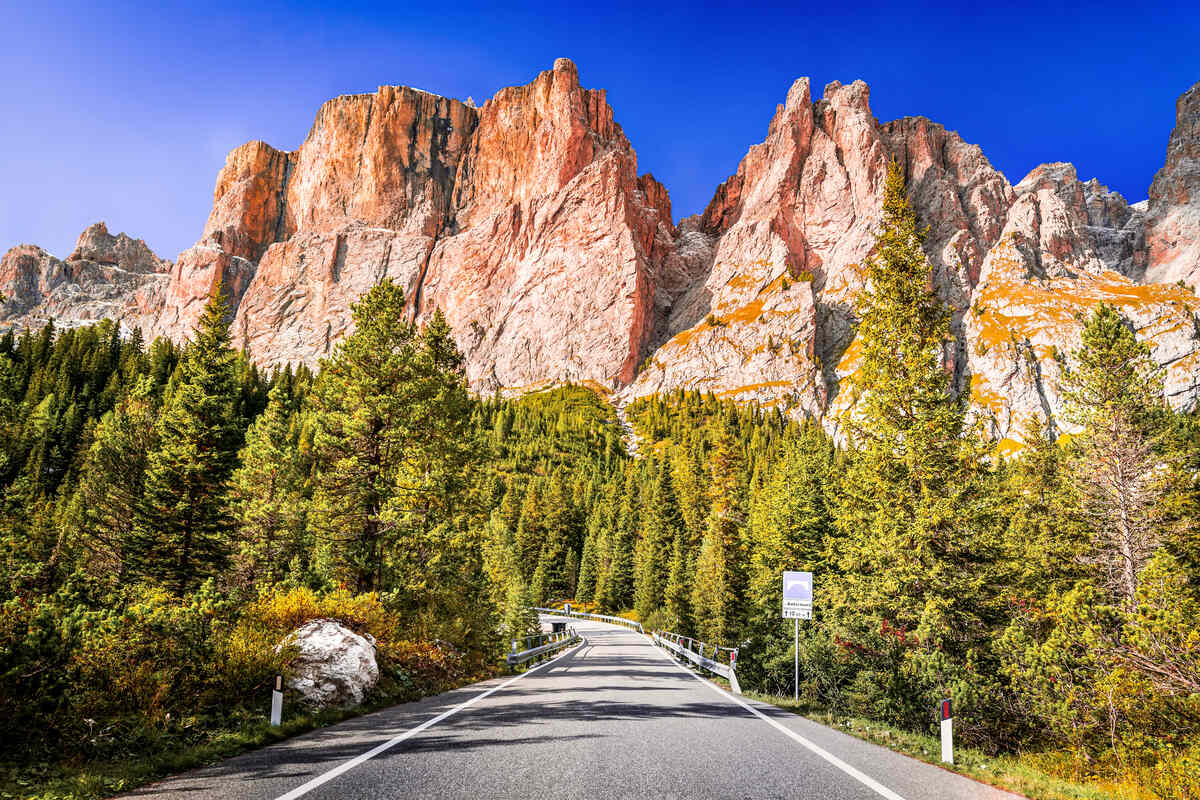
x=797, y=605
x=947, y=733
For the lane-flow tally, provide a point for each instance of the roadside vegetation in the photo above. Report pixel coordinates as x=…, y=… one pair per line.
x=169, y=514
x=1053, y=596
x=1045, y=775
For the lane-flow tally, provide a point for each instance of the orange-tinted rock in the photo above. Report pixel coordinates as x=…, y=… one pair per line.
x=117, y=277
x=1173, y=213
x=528, y=224
x=1067, y=247
x=248, y=201
x=802, y=210
x=367, y=194
x=551, y=272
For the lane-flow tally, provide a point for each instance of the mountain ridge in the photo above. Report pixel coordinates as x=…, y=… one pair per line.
x=527, y=222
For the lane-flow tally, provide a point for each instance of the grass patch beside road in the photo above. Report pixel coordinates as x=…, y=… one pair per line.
x=1039, y=776
x=202, y=746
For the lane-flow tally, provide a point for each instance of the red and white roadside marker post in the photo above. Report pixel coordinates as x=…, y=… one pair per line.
x=947, y=732
x=277, y=702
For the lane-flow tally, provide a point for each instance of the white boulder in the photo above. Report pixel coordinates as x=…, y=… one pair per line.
x=333, y=666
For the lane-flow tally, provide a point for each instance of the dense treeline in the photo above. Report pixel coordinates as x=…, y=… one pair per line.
x=169, y=514
x=1055, y=596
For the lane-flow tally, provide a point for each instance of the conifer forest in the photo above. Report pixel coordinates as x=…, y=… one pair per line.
x=168, y=513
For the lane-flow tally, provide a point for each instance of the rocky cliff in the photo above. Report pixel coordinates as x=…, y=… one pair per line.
x=527, y=223
x=104, y=276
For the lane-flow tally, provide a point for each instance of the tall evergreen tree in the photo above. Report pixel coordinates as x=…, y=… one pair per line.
x=617, y=593
x=183, y=521
x=531, y=529
x=661, y=526
x=394, y=452
x=790, y=522
x=912, y=586
x=1114, y=392
x=1047, y=533
x=104, y=507
x=585, y=587
x=267, y=495
x=678, y=593
x=718, y=595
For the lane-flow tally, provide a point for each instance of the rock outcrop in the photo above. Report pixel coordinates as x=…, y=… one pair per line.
x=365, y=197
x=527, y=223
x=332, y=666
x=1173, y=210
x=558, y=241
x=788, y=232
x=106, y=276
x=1067, y=247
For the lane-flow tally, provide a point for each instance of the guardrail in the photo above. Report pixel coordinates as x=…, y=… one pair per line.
x=546, y=643
x=682, y=646
x=629, y=623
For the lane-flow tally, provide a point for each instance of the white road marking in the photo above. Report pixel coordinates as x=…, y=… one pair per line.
x=859, y=776
x=325, y=777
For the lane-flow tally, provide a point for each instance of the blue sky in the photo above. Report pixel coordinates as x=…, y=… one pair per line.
x=124, y=112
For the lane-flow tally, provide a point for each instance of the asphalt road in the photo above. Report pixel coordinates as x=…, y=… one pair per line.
x=615, y=717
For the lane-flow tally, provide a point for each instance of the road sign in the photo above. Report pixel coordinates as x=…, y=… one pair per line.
x=797, y=595
x=797, y=586
x=797, y=605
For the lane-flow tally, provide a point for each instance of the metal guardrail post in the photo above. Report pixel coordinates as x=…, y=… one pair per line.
x=675, y=643
x=547, y=643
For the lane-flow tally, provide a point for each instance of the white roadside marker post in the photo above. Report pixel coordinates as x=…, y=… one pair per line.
x=277, y=702
x=947, y=733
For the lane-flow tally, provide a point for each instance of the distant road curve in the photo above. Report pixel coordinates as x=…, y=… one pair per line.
x=614, y=717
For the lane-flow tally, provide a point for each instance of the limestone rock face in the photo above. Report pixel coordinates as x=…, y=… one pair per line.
x=802, y=210
x=333, y=667
x=1067, y=247
x=557, y=242
x=1173, y=212
x=366, y=196
x=528, y=224
x=105, y=276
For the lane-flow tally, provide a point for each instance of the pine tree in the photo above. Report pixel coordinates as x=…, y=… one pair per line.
x=551, y=580
x=661, y=525
x=104, y=507
x=585, y=587
x=714, y=599
x=718, y=594
x=911, y=589
x=691, y=491
x=1114, y=392
x=603, y=522
x=790, y=522
x=520, y=620
x=183, y=521
x=267, y=494
x=499, y=553
x=678, y=594
x=531, y=529
x=617, y=593
x=572, y=570
x=1047, y=533
x=394, y=451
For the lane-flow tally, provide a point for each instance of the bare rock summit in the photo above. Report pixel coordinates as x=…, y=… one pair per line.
x=530, y=224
